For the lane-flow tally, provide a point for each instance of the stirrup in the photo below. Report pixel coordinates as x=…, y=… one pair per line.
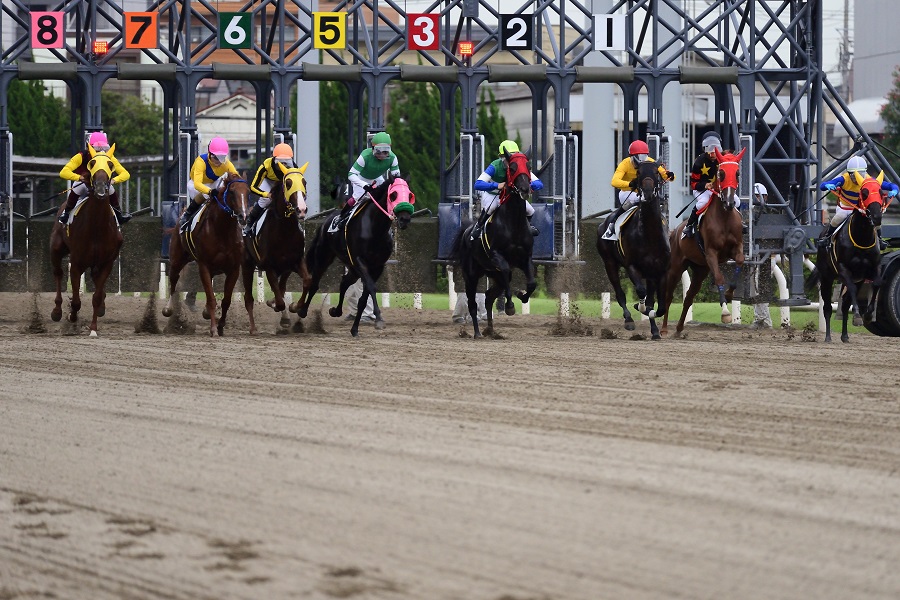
x=64, y=217
x=534, y=231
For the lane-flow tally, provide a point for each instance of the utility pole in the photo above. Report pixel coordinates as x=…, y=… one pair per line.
x=846, y=54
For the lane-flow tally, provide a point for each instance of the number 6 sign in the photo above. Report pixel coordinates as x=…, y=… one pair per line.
x=423, y=32
x=47, y=30
x=234, y=30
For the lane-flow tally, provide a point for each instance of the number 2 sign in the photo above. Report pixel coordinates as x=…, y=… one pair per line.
x=517, y=32
x=423, y=32
x=47, y=30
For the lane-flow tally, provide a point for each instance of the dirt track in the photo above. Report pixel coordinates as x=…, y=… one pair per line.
x=417, y=464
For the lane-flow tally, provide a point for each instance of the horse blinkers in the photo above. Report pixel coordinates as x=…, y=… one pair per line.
x=870, y=197
x=97, y=165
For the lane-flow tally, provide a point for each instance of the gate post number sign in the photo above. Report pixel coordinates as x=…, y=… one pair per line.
x=235, y=30
x=47, y=29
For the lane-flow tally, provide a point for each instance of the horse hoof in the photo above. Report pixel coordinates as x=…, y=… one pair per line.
x=270, y=303
x=206, y=314
x=334, y=311
x=380, y=324
x=302, y=312
x=93, y=333
x=167, y=312
x=354, y=333
x=857, y=321
x=510, y=309
x=292, y=307
x=629, y=325
x=279, y=307
x=726, y=318
x=656, y=337
x=73, y=318
x=56, y=315
x=845, y=339
x=102, y=310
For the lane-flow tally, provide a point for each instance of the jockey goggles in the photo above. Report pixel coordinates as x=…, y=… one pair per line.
x=382, y=150
x=101, y=147
x=640, y=157
x=221, y=158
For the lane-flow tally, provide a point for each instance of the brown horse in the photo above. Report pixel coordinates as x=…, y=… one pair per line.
x=719, y=238
x=853, y=257
x=276, y=245
x=91, y=239
x=216, y=243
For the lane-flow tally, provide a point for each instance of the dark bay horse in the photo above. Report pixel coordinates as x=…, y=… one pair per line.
x=91, y=239
x=853, y=257
x=642, y=249
x=216, y=243
x=277, y=243
x=721, y=237
x=362, y=242
x=504, y=244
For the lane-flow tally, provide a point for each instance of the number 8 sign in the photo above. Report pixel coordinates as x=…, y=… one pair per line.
x=47, y=30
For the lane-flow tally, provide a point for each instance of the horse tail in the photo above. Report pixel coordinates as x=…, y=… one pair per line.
x=813, y=280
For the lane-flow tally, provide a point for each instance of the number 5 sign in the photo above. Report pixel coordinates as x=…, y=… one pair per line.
x=423, y=32
x=329, y=30
x=234, y=30
x=47, y=30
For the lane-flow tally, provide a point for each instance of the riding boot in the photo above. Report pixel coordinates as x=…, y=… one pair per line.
x=534, y=230
x=71, y=200
x=691, y=228
x=479, y=225
x=252, y=218
x=121, y=218
x=189, y=213
x=610, y=230
x=825, y=237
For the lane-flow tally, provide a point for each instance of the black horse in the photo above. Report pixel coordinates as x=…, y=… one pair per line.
x=853, y=257
x=363, y=242
x=504, y=244
x=642, y=249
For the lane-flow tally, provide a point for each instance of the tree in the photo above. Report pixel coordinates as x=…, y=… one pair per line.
x=491, y=124
x=38, y=121
x=890, y=113
x=133, y=125
x=414, y=123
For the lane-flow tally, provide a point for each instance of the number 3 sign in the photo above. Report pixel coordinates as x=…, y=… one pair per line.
x=47, y=30
x=423, y=32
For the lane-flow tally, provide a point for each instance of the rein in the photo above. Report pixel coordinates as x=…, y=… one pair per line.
x=850, y=233
x=223, y=204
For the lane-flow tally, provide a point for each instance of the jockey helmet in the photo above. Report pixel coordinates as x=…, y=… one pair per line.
x=857, y=163
x=508, y=146
x=711, y=142
x=282, y=151
x=380, y=138
x=381, y=144
x=760, y=189
x=638, y=147
x=218, y=148
x=98, y=141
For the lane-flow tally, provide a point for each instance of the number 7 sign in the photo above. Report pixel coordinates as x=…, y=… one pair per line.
x=141, y=30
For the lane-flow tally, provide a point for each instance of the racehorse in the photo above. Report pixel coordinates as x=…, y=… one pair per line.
x=214, y=240
x=852, y=258
x=363, y=242
x=719, y=237
x=276, y=245
x=505, y=243
x=642, y=249
x=91, y=239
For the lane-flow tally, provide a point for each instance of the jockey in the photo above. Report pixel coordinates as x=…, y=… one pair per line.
x=703, y=177
x=492, y=180
x=371, y=167
x=207, y=168
x=625, y=174
x=266, y=176
x=846, y=188
x=76, y=170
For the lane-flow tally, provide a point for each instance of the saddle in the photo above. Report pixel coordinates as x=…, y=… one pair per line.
x=620, y=221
